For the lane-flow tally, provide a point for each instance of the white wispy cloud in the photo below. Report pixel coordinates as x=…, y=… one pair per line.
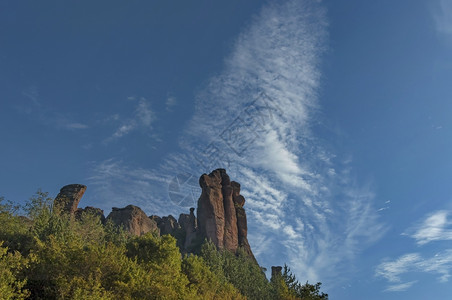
x=144, y=113
x=114, y=183
x=46, y=115
x=384, y=207
x=257, y=114
x=391, y=270
x=142, y=118
x=255, y=119
x=76, y=126
x=170, y=102
x=439, y=264
x=262, y=243
x=443, y=17
x=400, y=287
x=435, y=227
x=124, y=129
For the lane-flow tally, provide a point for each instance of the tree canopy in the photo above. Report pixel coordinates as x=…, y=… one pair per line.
x=46, y=255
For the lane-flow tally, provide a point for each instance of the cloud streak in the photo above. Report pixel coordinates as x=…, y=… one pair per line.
x=440, y=264
x=436, y=227
x=257, y=115
x=443, y=17
x=47, y=115
x=400, y=287
x=116, y=184
x=142, y=118
x=256, y=120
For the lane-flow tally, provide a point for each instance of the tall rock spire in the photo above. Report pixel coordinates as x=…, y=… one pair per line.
x=221, y=216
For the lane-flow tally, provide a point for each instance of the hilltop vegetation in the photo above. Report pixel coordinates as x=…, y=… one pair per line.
x=48, y=255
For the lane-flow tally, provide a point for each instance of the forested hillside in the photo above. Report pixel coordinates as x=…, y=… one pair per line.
x=47, y=254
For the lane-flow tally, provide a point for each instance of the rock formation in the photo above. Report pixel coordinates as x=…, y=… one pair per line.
x=133, y=219
x=189, y=224
x=221, y=216
x=276, y=272
x=167, y=225
x=67, y=200
x=242, y=225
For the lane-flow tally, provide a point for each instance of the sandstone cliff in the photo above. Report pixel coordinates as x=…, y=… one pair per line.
x=221, y=216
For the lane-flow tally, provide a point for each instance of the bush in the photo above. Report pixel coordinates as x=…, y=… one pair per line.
x=11, y=264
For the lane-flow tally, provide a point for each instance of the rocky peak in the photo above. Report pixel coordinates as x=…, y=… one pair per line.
x=67, y=200
x=221, y=216
x=133, y=219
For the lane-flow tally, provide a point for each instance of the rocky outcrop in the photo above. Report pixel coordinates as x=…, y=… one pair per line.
x=92, y=211
x=168, y=225
x=189, y=225
x=133, y=219
x=242, y=225
x=276, y=272
x=67, y=200
x=221, y=216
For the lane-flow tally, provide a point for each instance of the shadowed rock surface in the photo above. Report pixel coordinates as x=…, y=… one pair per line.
x=276, y=272
x=67, y=200
x=242, y=225
x=168, y=225
x=134, y=220
x=189, y=225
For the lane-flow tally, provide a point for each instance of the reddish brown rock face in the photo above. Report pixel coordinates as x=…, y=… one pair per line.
x=68, y=198
x=211, y=208
x=221, y=216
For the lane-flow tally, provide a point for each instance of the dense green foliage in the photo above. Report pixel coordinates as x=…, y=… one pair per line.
x=304, y=291
x=47, y=255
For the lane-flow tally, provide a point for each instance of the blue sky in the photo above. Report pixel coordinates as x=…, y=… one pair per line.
x=333, y=115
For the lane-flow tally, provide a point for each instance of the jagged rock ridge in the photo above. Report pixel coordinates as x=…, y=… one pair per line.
x=221, y=217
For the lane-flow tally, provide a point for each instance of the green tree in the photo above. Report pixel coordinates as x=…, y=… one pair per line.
x=306, y=291
x=205, y=284
x=11, y=285
x=14, y=230
x=161, y=256
x=38, y=205
x=53, y=256
x=280, y=290
x=238, y=269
